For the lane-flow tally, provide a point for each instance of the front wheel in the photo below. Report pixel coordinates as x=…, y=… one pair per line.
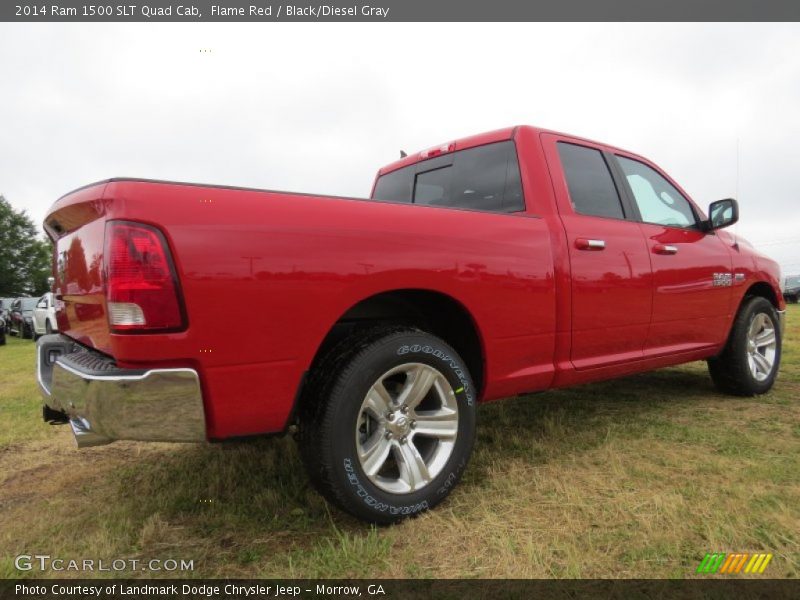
x=389, y=424
x=749, y=363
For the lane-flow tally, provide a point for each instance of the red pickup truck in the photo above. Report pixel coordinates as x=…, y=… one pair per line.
x=508, y=262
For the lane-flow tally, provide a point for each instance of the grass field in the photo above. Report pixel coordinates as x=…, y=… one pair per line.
x=632, y=478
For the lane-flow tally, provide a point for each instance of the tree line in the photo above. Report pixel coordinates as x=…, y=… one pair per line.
x=25, y=258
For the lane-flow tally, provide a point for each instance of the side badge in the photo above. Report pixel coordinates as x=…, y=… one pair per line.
x=723, y=279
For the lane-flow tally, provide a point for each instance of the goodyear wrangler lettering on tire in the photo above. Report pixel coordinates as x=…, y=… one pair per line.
x=388, y=424
x=374, y=504
x=465, y=385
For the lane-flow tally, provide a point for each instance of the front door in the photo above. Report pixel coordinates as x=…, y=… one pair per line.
x=692, y=270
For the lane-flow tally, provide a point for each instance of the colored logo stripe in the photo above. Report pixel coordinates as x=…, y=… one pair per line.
x=711, y=563
x=734, y=563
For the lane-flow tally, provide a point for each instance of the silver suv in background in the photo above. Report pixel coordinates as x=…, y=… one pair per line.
x=44, y=316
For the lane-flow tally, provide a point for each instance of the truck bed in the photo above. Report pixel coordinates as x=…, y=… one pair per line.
x=264, y=273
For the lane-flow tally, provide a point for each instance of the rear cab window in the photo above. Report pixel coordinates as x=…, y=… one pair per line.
x=484, y=178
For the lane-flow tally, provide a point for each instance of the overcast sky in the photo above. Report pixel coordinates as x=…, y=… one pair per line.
x=319, y=107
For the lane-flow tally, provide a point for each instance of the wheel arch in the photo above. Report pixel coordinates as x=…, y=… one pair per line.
x=764, y=290
x=432, y=311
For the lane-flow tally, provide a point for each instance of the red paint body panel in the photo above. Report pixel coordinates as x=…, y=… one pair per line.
x=688, y=310
x=291, y=265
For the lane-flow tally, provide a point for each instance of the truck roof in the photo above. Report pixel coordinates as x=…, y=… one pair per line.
x=498, y=135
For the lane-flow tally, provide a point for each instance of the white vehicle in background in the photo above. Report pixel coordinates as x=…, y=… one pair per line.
x=44, y=316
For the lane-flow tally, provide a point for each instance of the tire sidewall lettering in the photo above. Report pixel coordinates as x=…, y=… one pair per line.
x=443, y=356
x=374, y=503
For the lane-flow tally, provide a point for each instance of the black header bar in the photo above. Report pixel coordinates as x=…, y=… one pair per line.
x=400, y=10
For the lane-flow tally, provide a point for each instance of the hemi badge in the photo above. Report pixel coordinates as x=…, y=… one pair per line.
x=739, y=277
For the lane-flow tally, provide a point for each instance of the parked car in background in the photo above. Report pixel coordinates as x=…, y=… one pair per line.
x=44, y=316
x=22, y=317
x=5, y=310
x=791, y=289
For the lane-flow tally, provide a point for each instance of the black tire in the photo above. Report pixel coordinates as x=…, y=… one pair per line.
x=331, y=413
x=23, y=332
x=731, y=370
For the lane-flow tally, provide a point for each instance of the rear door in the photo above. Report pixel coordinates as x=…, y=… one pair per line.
x=610, y=267
x=692, y=270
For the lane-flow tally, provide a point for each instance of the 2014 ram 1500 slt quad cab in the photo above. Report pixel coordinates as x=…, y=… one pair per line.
x=508, y=262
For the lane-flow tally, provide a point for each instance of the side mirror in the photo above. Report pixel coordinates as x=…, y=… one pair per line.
x=721, y=213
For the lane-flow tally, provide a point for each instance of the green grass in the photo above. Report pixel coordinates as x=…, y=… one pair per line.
x=19, y=393
x=637, y=477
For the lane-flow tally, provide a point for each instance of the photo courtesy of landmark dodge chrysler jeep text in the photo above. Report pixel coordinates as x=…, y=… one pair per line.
x=508, y=262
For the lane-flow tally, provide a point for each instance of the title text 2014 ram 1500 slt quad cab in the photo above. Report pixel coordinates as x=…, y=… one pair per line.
x=508, y=262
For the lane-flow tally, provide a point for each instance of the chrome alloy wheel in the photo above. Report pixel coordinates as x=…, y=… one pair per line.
x=762, y=345
x=407, y=428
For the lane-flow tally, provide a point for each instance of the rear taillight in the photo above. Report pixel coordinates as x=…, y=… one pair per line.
x=141, y=287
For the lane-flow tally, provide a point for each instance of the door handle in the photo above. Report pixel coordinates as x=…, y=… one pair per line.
x=587, y=244
x=665, y=249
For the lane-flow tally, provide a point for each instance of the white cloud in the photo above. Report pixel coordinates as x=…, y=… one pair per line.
x=319, y=107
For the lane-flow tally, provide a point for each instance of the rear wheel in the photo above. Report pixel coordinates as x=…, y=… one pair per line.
x=388, y=424
x=749, y=363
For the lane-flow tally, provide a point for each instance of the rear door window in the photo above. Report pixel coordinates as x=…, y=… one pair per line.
x=591, y=187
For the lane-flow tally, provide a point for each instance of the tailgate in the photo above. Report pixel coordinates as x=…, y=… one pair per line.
x=76, y=224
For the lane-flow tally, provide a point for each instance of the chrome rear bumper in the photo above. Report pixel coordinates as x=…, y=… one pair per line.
x=104, y=403
x=782, y=321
